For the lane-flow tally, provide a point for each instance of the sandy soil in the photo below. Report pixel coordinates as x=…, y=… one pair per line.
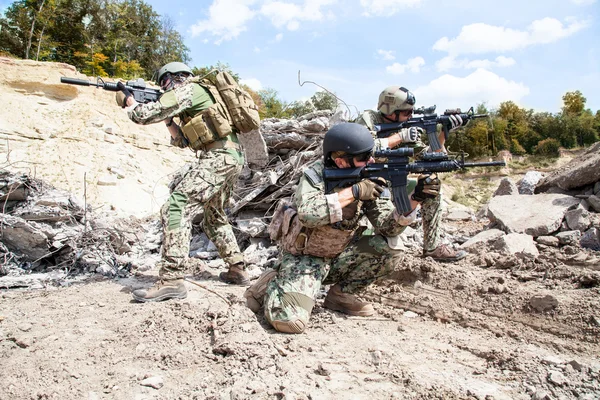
x=442, y=331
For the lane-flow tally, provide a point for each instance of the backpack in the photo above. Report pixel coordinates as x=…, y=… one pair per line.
x=239, y=103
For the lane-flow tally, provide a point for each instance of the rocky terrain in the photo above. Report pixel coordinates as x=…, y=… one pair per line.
x=519, y=318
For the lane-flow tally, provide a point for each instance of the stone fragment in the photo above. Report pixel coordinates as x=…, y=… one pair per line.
x=155, y=382
x=506, y=188
x=552, y=241
x=517, y=243
x=543, y=303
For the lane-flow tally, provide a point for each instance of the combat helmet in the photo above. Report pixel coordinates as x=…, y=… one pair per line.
x=353, y=139
x=172, y=68
x=395, y=98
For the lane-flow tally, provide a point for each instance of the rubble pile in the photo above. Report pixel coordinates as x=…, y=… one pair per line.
x=555, y=217
x=45, y=229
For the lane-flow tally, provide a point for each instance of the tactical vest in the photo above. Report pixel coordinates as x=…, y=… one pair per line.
x=325, y=241
x=233, y=107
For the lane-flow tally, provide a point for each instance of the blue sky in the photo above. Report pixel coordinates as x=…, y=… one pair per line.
x=449, y=53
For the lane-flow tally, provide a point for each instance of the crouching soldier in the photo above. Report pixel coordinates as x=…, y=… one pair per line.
x=322, y=240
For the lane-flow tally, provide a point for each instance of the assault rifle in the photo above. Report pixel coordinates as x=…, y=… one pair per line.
x=396, y=169
x=141, y=93
x=428, y=121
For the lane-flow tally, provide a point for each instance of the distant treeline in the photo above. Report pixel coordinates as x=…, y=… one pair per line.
x=124, y=38
x=523, y=131
x=128, y=39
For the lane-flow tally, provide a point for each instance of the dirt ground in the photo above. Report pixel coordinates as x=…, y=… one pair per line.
x=442, y=331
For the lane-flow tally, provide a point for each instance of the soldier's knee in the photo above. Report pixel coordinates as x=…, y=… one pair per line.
x=295, y=326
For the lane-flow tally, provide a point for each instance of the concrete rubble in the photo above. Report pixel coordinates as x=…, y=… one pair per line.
x=46, y=229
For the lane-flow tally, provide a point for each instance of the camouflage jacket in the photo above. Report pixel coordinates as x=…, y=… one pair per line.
x=370, y=118
x=316, y=209
x=186, y=100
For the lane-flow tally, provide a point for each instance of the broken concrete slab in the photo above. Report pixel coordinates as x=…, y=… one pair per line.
x=521, y=213
x=24, y=237
x=484, y=237
x=514, y=243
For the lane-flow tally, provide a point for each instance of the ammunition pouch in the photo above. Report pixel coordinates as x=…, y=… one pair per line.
x=207, y=126
x=295, y=238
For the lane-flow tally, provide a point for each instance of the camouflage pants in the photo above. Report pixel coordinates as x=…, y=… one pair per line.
x=431, y=212
x=207, y=184
x=292, y=293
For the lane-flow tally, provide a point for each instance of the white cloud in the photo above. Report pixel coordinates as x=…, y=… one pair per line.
x=222, y=22
x=449, y=91
x=412, y=65
x=279, y=37
x=256, y=49
x=252, y=83
x=290, y=15
x=583, y=2
x=483, y=38
x=450, y=62
x=386, y=54
x=385, y=8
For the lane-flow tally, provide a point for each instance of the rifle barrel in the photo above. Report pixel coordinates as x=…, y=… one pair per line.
x=485, y=164
x=73, y=81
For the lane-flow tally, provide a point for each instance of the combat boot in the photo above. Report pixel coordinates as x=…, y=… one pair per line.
x=162, y=290
x=236, y=275
x=347, y=303
x=255, y=294
x=295, y=326
x=444, y=253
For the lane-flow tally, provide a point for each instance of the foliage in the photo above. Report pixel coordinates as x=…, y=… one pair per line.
x=324, y=101
x=131, y=37
x=206, y=72
x=573, y=103
x=548, y=147
x=516, y=148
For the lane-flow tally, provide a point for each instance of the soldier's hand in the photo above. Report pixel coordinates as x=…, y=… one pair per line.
x=412, y=134
x=121, y=99
x=428, y=187
x=367, y=190
x=456, y=121
x=122, y=96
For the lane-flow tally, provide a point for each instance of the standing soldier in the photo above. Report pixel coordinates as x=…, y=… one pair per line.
x=396, y=105
x=323, y=241
x=205, y=126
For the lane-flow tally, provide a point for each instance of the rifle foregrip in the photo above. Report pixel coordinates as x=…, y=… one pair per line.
x=434, y=142
x=400, y=199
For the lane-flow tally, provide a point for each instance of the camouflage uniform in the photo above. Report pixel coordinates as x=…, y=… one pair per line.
x=208, y=184
x=292, y=293
x=431, y=209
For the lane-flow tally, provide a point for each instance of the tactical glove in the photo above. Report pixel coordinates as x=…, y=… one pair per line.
x=367, y=190
x=122, y=96
x=412, y=134
x=428, y=187
x=456, y=121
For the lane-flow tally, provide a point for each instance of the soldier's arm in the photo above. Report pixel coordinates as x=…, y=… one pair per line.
x=385, y=219
x=170, y=104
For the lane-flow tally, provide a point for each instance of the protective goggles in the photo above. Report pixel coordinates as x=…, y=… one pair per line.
x=410, y=98
x=363, y=156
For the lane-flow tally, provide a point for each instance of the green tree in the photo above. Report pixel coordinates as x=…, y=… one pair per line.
x=299, y=108
x=548, y=147
x=573, y=103
x=219, y=66
x=272, y=106
x=323, y=100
